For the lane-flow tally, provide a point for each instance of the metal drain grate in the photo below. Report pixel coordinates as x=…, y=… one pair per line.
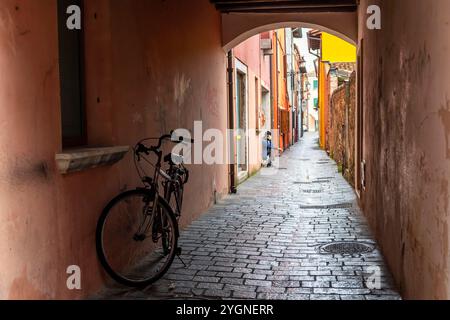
x=311, y=182
x=347, y=248
x=322, y=181
x=311, y=191
x=329, y=206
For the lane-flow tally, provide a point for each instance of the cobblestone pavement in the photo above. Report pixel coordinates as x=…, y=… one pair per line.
x=265, y=242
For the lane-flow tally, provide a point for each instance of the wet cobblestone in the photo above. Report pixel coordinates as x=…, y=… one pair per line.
x=263, y=242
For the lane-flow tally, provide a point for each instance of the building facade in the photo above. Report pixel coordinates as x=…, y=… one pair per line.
x=252, y=103
x=330, y=50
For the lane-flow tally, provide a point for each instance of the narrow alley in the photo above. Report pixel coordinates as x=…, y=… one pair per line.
x=295, y=149
x=267, y=243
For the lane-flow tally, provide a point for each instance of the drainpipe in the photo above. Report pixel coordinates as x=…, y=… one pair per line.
x=232, y=167
x=347, y=142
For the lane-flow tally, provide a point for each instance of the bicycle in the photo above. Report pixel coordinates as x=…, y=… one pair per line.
x=137, y=232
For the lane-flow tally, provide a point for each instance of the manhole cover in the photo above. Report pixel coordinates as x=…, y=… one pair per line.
x=348, y=248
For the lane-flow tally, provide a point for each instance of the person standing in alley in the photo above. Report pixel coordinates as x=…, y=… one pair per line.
x=267, y=149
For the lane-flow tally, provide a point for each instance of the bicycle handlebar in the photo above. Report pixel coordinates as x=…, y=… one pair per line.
x=172, y=138
x=141, y=148
x=181, y=139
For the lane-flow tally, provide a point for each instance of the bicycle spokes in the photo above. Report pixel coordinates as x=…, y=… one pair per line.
x=141, y=248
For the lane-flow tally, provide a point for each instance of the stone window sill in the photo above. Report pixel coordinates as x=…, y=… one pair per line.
x=75, y=160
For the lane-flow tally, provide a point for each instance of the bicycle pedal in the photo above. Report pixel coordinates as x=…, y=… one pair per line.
x=178, y=251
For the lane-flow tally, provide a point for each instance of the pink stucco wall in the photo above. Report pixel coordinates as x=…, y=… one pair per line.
x=250, y=54
x=265, y=65
x=140, y=82
x=406, y=138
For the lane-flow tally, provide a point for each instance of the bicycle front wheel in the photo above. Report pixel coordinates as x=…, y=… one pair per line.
x=136, y=238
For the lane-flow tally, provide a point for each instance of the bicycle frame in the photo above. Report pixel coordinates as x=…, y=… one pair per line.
x=172, y=187
x=173, y=179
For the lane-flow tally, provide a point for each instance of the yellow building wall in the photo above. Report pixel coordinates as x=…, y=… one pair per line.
x=335, y=49
x=322, y=115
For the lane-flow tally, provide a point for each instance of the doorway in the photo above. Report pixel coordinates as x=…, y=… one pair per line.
x=241, y=122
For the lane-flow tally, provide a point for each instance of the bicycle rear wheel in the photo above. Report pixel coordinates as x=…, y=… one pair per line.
x=137, y=238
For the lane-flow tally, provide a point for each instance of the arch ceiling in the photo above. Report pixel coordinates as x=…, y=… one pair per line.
x=242, y=19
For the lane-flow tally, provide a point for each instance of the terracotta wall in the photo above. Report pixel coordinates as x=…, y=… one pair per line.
x=349, y=172
x=406, y=137
x=140, y=82
x=281, y=99
x=31, y=222
x=341, y=132
x=275, y=94
x=336, y=138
